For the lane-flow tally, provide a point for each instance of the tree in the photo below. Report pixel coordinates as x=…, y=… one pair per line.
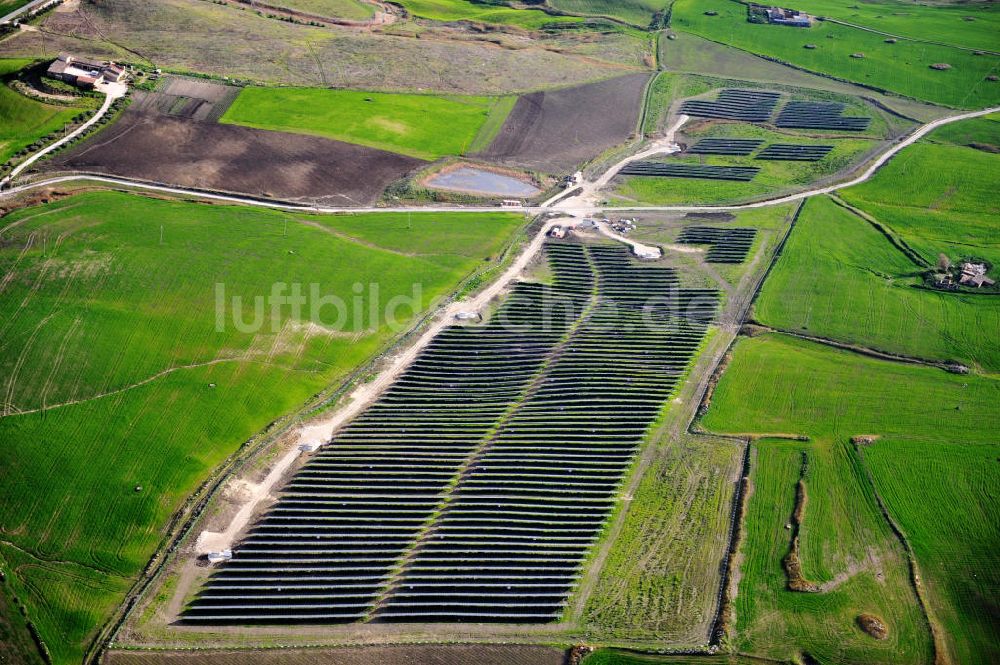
x=943, y=263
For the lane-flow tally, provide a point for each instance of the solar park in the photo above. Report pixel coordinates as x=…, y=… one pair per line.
x=474, y=488
x=726, y=245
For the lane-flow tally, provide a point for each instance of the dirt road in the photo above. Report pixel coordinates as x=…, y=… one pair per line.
x=322, y=430
x=112, y=91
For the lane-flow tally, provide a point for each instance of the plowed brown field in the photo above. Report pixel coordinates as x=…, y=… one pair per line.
x=179, y=151
x=557, y=130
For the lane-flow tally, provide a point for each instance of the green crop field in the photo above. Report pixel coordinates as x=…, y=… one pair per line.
x=938, y=196
x=117, y=373
x=350, y=9
x=637, y=12
x=7, y=6
x=466, y=10
x=425, y=126
x=776, y=384
x=902, y=67
x=845, y=546
x=971, y=24
x=24, y=120
x=945, y=500
x=840, y=278
x=779, y=384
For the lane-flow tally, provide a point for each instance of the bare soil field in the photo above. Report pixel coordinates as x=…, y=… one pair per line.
x=198, y=36
x=149, y=145
x=459, y=654
x=557, y=130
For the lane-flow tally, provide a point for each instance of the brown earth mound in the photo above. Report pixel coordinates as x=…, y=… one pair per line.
x=873, y=625
x=147, y=145
x=556, y=131
x=460, y=654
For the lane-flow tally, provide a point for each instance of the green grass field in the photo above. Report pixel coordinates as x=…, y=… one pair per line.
x=840, y=278
x=24, y=120
x=945, y=500
x=115, y=375
x=636, y=12
x=939, y=196
x=844, y=543
x=425, y=126
x=903, y=67
x=690, y=53
x=945, y=22
x=7, y=6
x=465, y=10
x=776, y=384
x=355, y=10
x=661, y=578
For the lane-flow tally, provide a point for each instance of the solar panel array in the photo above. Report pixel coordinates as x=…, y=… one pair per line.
x=686, y=170
x=795, y=153
x=473, y=489
x=820, y=115
x=727, y=245
x=735, y=104
x=724, y=146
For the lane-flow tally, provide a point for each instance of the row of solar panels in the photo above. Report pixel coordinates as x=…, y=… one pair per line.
x=745, y=147
x=759, y=106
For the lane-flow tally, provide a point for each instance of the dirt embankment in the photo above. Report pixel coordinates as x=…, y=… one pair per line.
x=792, y=562
x=452, y=654
x=555, y=131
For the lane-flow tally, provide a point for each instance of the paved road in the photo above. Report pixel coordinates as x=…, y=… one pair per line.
x=112, y=91
x=34, y=4
x=566, y=207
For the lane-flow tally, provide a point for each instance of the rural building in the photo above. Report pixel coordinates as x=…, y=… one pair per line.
x=84, y=74
x=974, y=274
x=779, y=16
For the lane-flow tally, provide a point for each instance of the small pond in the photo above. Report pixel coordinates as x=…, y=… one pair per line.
x=484, y=183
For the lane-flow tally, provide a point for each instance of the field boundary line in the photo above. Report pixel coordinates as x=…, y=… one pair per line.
x=917, y=40
x=863, y=350
x=941, y=653
x=898, y=243
x=723, y=624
